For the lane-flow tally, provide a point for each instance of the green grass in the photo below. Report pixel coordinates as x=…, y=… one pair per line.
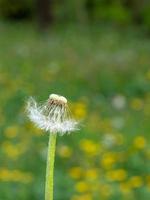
x=88, y=65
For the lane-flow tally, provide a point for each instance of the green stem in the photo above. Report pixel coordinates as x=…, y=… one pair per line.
x=50, y=167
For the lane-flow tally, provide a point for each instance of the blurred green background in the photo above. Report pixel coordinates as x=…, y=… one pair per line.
x=97, y=54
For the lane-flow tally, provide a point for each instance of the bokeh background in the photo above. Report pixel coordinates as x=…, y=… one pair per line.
x=97, y=54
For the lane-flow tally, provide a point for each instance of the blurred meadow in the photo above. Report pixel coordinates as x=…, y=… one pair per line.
x=102, y=66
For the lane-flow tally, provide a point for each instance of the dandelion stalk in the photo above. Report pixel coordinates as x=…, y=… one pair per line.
x=52, y=116
x=49, y=182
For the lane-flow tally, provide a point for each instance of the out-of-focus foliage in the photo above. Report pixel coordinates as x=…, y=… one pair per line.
x=146, y=15
x=120, y=12
x=114, y=12
x=106, y=77
x=14, y=9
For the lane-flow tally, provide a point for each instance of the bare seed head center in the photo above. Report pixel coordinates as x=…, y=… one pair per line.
x=57, y=99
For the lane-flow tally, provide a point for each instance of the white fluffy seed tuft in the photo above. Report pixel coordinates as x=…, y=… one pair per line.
x=53, y=116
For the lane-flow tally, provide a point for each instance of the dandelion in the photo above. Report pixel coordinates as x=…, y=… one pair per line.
x=82, y=187
x=108, y=160
x=119, y=102
x=108, y=140
x=91, y=174
x=136, y=104
x=116, y=175
x=139, y=142
x=53, y=117
x=90, y=147
x=15, y=176
x=76, y=172
x=118, y=122
x=136, y=181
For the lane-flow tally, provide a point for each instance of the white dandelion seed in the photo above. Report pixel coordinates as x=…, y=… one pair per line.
x=109, y=140
x=119, y=102
x=52, y=116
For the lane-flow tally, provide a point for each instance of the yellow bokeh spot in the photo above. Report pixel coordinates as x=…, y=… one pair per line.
x=11, y=131
x=116, y=175
x=64, y=151
x=82, y=186
x=136, y=104
x=15, y=176
x=139, y=142
x=89, y=147
x=91, y=174
x=125, y=187
x=108, y=160
x=136, y=181
x=79, y=110
x=75, y=172
x=11, y=150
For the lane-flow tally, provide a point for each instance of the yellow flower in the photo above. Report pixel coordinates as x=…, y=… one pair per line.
x=91, y=174
x=116, y=175
x=11, y=131
x=139, y=142
x=11, y=150
x=125, y=187
x=82, y=186
x=15, y=176
x=4, y=175
x=21, y=176
x=89, y=147
x=64, y=151
x=108, y=160
x=136, y=181
x=136, y=104
x=80, y=110
x=75, y=172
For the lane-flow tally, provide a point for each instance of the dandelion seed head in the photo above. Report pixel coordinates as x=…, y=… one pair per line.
x=53, y=116
x=58, y=98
